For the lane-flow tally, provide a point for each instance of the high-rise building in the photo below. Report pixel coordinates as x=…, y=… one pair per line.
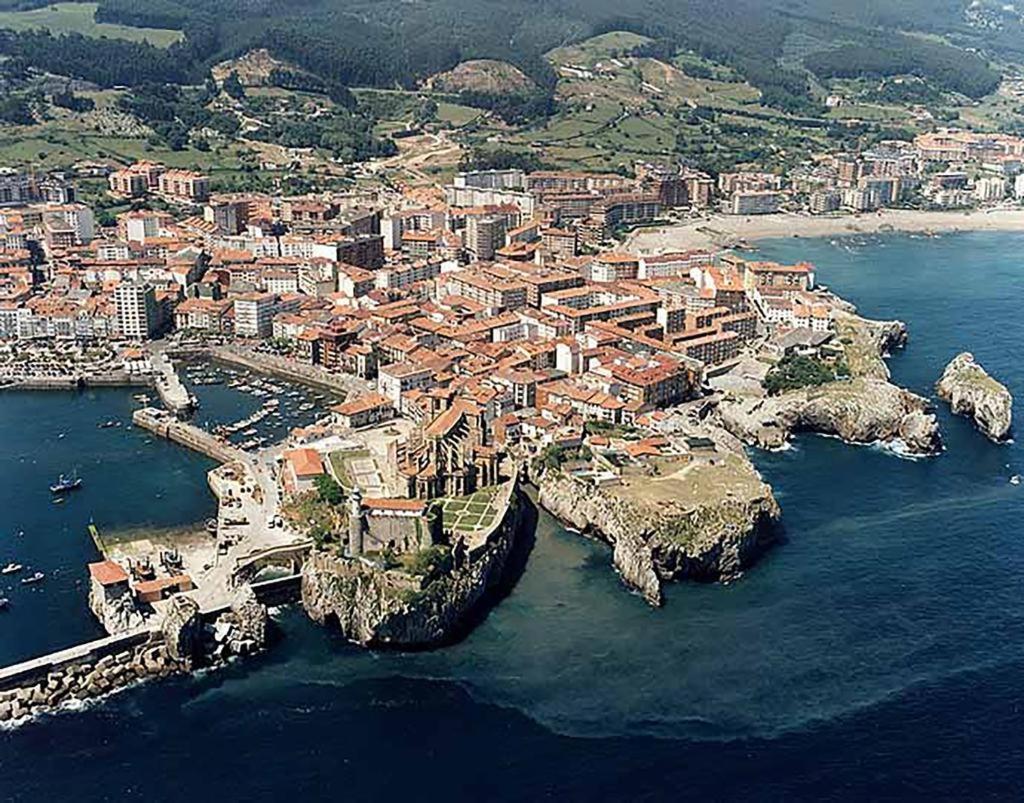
x=135, y=304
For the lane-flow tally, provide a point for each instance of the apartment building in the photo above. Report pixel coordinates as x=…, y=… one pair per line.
x=254, y=314
x=493, y=292
x=184, y=186
x=136, y=309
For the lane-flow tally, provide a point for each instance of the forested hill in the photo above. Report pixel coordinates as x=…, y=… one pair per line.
x=398, y=42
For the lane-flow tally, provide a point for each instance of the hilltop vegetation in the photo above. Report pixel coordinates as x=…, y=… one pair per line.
x=389, y=43
x=591, y=84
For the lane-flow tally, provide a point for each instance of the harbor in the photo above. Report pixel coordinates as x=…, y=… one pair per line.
x=224, y=416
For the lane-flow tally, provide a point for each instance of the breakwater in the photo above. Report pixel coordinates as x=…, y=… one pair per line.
x=186, y=638
x=80, y=381
x=172, y=392
x=163, y=424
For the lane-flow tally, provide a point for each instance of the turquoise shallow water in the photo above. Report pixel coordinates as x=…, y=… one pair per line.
x=876, y=652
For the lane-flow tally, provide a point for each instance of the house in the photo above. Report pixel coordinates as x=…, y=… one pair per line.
x=302, y=467
x=364, y=411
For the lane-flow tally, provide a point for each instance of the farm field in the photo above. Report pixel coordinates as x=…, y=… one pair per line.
x=63, y=18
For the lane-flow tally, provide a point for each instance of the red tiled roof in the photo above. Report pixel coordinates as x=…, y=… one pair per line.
x=107, y=573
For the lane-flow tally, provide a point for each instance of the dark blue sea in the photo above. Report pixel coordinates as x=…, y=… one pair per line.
x=877, y=653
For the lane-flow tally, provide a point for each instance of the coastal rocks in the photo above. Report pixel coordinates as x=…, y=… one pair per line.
x=373, y=606
x=864, y=410
x=867, y=342
x=652, y=542
x=242, y=630
x=117, y=614
x=75, y=683
x=182, y=629
x=970, y=391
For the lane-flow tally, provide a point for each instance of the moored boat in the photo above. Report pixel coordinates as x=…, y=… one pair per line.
x=64, y=484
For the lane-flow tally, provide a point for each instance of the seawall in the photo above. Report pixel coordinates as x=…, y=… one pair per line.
x=80, y=381
x=290, y=370
x=160, y=423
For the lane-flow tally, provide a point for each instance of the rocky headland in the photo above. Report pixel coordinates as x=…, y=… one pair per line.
x=859, y=411
x=377, y=605
x=697, y=521
x=862, y=407
x=970, y=391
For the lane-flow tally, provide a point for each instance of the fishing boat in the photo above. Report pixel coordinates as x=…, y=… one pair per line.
x=109, y=424
x=35, y=578
x=11, y=568
x=65, y=484
x=4, y=603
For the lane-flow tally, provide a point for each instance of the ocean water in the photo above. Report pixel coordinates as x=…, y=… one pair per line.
x=131, y=480
x=877, y=652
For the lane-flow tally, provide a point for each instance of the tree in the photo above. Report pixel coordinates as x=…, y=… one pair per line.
x=233, y=87
x=328, y=490
x=794, y=372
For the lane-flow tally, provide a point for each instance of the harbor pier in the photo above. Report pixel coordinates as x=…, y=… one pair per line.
x=169, y=387
x=161, y=423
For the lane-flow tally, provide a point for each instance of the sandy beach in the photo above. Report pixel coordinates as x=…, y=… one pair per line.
x=724, y=231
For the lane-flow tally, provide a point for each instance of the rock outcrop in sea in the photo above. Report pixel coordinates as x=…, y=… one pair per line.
x=859, y=411
x=862, y=409
x=655, y=540
x=970, y=391
x=377, y=606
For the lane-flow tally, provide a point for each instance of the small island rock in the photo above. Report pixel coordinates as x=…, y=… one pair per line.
x=971, y=391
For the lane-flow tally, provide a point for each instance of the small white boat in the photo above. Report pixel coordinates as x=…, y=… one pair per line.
x=35, y=578
x=1015, y=479
x=11, y=568
x=4, y=603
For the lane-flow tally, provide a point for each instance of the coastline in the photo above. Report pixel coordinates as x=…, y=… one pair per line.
x=725, y=231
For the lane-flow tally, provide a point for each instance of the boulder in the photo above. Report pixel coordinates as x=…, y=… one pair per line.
x=251, y=617
x=182, y=630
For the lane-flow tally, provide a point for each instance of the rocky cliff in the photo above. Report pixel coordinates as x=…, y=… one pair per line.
x=863, y=410
x=653, y=541
x=373, y=606
x=972, y=392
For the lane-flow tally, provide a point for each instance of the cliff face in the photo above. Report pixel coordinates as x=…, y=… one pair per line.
x=864, y=410
x=377, y=607
x=972, y=392
x=653, y=543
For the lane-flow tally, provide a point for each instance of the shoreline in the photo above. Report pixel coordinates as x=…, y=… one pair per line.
x=730, y=231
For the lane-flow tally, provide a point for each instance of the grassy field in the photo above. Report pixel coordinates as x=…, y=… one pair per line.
x=80, y=18
x=468, y=513
x=455, y=114
x=638, y=108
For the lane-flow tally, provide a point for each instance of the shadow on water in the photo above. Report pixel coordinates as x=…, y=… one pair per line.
x=515, y=566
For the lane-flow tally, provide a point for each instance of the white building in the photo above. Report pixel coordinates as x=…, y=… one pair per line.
x=254, y=314
x=988, y=189
x=398, y=378
x=763, y=202
x=135, y=305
